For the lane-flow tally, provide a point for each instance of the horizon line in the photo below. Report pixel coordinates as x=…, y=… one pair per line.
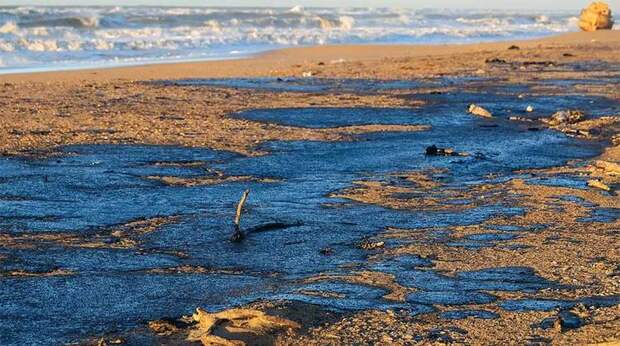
x=289, y=7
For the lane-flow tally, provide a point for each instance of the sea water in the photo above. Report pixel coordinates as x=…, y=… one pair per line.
x=55, y=38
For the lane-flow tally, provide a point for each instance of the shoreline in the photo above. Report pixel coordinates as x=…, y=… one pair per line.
x=278, y=62
x=252, y=55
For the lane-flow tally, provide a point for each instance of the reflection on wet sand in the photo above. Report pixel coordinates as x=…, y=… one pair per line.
x=422, y=248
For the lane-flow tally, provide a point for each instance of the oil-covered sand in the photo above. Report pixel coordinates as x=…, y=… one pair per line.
x=118, y=199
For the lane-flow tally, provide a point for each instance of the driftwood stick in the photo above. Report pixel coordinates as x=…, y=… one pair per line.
x=238, y=234
x=240, y=208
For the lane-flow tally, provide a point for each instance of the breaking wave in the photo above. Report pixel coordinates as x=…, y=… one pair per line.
x=69, y=22
x=60, y=37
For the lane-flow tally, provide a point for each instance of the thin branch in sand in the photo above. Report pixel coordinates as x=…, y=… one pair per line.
x=238, y=234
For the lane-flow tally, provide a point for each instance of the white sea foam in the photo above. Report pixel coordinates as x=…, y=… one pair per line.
x=8, y=28
x=45, y=37
x=296, y=9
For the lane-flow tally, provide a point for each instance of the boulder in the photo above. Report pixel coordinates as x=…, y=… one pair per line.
x=595, y=17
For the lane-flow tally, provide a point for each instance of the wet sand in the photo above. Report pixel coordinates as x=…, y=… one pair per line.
x=564, y=242
x=43, y=110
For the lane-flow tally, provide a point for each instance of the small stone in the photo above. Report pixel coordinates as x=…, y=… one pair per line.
x=495, y=61
x=368, y=245
x=599, y=185
x=326, y=251
x=565, y=117
x=517, y=118
x=513, y=47
x=529, y=109
x=162, y=327
x=387, y=338
x=433, y=150
x=548, y=323
x=307, y=74
x=479, y=111
x=569, y=320
x=338, y=61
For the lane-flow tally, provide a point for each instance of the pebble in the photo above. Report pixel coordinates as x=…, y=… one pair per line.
x=569, y=320
x=479, y=111
x=386, y=338
x=598, y=184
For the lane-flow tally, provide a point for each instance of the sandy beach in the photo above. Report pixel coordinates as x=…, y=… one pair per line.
x=75, y=106
x=423, y=60
x=564, y=250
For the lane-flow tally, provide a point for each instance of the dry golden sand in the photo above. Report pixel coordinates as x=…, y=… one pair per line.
x=44, y=110
x=39, y=116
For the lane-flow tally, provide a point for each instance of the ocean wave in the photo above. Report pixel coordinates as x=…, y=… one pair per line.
x=296, y=9
x=70, y=22
x=42, y=36
x=8, y=28
x=484, y=21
